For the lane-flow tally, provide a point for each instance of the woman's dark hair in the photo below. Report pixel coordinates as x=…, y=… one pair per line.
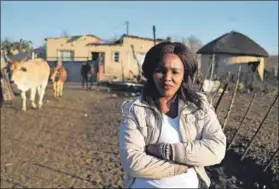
x=153, y=58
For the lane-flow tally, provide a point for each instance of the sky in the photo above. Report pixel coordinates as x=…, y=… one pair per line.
x=207, y=20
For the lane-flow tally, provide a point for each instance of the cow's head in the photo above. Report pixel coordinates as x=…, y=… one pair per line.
x=54, y=75
x=18, y=72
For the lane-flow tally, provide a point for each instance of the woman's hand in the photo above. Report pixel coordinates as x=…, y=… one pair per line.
x=159, y=150
x=154, y=150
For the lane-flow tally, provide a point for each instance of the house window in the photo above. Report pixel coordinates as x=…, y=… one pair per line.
x=66, y=55
x=116, y=56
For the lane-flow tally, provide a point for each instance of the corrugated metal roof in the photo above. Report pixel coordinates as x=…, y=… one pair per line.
x=74, y=37
x=120, y=41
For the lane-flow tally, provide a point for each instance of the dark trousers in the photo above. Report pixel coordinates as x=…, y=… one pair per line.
x=85, y=81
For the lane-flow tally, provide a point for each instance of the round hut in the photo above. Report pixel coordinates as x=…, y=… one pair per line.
x=227, y=52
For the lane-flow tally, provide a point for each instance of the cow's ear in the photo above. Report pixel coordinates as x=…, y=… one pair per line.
x=23, y=69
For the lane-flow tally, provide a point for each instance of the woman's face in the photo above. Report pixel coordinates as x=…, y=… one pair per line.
x=168, y=75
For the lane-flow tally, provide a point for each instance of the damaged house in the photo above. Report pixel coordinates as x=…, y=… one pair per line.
x=112, y=61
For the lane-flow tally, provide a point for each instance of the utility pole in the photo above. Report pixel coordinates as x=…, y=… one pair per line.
x=154, y=34
x=127, y=27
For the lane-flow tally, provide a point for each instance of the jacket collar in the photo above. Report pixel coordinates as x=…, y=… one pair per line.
x=186, y=108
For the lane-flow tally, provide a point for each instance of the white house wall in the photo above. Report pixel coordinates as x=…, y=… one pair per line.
x=221, y=65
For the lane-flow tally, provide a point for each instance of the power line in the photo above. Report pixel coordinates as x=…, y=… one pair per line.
x=118, y=26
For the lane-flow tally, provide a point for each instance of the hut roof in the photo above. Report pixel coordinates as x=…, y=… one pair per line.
x=234, y=43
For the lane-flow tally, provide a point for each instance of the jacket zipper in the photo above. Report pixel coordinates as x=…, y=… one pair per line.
x=159, y=121
x=185, y=127
x=188, y=138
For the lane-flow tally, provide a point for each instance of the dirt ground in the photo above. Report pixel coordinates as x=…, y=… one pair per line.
x=72, y=142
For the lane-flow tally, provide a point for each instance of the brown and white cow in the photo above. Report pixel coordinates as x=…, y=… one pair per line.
x=58, y=77
x=31, y=75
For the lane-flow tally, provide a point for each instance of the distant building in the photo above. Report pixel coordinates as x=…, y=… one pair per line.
x=117, y=60
x=231, y=50
x=72, y=48
x=39, y=52
x=272, y=65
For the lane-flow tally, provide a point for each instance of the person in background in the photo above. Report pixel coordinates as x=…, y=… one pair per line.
x=169, y=133
x=85, y=71
x=92, y=75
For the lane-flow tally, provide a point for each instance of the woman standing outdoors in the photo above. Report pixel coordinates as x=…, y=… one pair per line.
x=170, y=133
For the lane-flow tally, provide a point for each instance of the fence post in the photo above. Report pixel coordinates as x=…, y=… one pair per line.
x=252, y=140
x=242, y=121
x=221, y=96
x=271, y=159
x=208, y=69
x=216, y=93
x=122, y=69
x=232, y=101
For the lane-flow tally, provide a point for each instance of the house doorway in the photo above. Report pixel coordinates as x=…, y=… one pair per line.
x=98, y=60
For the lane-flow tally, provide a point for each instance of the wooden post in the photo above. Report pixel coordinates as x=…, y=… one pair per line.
x=242, y=121
x=135, y=57
x=271, y=159
x=211, y=78
x=216, y=93
x=208, y=69
x=232, y=101
x=253, y=138
x=154, y=35
x=123, y=78
x=212, y=68
x=221, y=96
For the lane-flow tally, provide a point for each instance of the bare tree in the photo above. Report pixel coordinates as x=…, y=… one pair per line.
x=41, y=53
x=64, y=34
x=194, y=44
x=21, y=46
x=7, y=46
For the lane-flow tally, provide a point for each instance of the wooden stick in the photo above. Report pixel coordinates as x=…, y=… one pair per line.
x=208, y=69
x=271, y=159
x=122, y=69
x=212, y=70
x=252, y=140
x=232, y=101
x=216, y=93
x=211, y=78
x=225, y=88
x=221, y=96
x=135, y=57
x=242, y=121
